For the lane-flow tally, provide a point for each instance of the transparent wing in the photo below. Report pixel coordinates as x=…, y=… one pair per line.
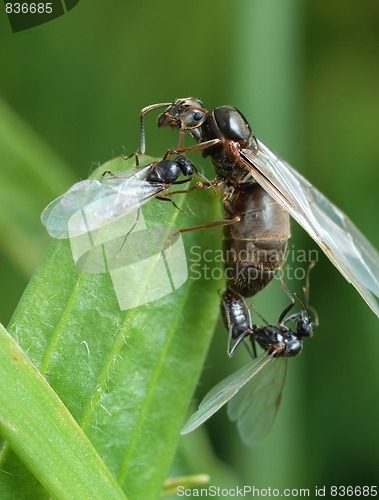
x=93, y=203
x=224, y=391
x=254, y=408
x=342, y=242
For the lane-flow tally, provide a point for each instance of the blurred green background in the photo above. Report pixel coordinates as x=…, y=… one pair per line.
x=306, y=75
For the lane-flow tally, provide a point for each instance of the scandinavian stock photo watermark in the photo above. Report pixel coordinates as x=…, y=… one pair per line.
x=253, y=492
x=201, y=263
x=148, y=263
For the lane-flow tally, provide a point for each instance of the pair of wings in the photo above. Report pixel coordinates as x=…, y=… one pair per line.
x=332, y=230
x=93, y=203
x=253, y=393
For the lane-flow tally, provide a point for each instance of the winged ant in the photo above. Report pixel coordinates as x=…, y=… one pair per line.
x=114, y=195
x=238, y=157
x=254, y=391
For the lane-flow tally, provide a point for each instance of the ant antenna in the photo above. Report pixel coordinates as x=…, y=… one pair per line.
x=304, y=302
x=142, y=126
x=306, y=288
x=306, y=294
x=181, y=136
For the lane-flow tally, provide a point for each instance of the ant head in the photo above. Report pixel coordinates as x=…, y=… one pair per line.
x=304, y=326
x=185, y=114
x=185, y=165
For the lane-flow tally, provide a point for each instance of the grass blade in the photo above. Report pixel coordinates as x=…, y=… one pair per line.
x=44, y=434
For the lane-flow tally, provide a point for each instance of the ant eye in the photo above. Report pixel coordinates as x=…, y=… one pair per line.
x=197, y=116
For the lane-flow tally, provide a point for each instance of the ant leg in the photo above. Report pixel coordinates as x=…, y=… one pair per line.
x=257, y=313
x=181, y=136
x=207, y=225
x=174, y=152
x=288, y=308
x=168, y=153
x=198, y=185
x=201, y=146
x=164, y=198
x=228, y=206
x=207, y=182
x=217, y=181
x=181, y=191
x=129, y=232
x=250, y=349
x=130, y=156
x=241, y=337
x=111, y=174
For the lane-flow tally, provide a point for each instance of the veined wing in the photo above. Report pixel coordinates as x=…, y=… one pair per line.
x=224, y=391
x=93, y=203
x=254, y=408
x=333, y=231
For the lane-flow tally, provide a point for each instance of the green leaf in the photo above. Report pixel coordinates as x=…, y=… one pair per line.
x=127, y=377
x=44, y=434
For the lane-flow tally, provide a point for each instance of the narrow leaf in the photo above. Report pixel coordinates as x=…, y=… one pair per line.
x=44, y=434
